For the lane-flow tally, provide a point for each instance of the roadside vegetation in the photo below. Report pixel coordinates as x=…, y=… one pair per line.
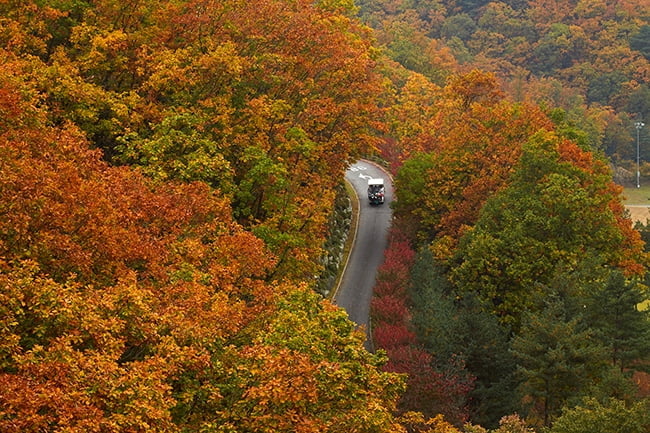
x=168, y=192
x=528, y=290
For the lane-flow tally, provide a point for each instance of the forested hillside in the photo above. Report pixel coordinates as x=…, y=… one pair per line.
x=515, y=282
x=588, y=57
x=168, y=177
x=526, y=293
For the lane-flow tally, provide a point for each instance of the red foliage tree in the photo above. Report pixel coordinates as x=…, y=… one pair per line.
x=389, y=336
x=429, y=390
x=388, y=309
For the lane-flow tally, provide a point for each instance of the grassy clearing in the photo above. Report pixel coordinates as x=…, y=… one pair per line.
x=637, y=196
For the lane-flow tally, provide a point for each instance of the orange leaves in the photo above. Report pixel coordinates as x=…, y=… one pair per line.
x=64, y=370
x=129, y=305
x=186, y=89
x=131, y=299
x=73, y=213
x=282, y=378
x=194, y=315
x=10, y=106
x=70, y=219
x=474, y=87
x=35, y=401
x=307, y=371
x=472, y=137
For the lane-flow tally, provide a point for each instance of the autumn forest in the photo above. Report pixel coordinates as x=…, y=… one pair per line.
x=171, y=175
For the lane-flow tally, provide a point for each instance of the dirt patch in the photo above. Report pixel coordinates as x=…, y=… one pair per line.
x=643, y=382
x=639, y=213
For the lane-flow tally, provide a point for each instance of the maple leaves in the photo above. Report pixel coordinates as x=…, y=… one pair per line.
x=266, y=102
x=141, y=305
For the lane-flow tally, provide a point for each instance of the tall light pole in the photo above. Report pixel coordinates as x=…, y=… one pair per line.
x=638, y=125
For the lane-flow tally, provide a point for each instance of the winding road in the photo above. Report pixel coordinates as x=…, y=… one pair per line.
x=355, y=290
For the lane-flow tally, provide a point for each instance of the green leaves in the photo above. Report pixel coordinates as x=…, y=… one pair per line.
x=554, y=214
x=616, y=313
x=592, y=416
x=177, y=149
x=640, y=41
x=558, y=357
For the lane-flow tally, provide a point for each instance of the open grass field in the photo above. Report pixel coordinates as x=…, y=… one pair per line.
x=637, y=196
x=637, y=201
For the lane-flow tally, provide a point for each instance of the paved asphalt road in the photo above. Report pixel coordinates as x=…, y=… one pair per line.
x=355, y=290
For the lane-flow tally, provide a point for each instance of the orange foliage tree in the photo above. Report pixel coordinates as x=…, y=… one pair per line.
x=469, y=142
x=267, y=101
x=133, y=305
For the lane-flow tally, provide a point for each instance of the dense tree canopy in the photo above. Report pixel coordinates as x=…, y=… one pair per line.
x=471, y=139
x=531, y=228
x=581, y=56
x=162, y=294
x=265, y=101
x=168, y=174
x=515, y=206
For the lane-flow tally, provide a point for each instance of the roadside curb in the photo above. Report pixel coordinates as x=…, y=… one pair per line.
x=352, y=237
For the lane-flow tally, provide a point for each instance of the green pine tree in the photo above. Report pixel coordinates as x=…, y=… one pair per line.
x=622, y=325
x=558, y=359
x=458, y=329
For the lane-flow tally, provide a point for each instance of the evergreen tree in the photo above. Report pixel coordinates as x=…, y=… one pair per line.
x=558, y=358
x=641, y=41
x=622, y=326
x=458, y=330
